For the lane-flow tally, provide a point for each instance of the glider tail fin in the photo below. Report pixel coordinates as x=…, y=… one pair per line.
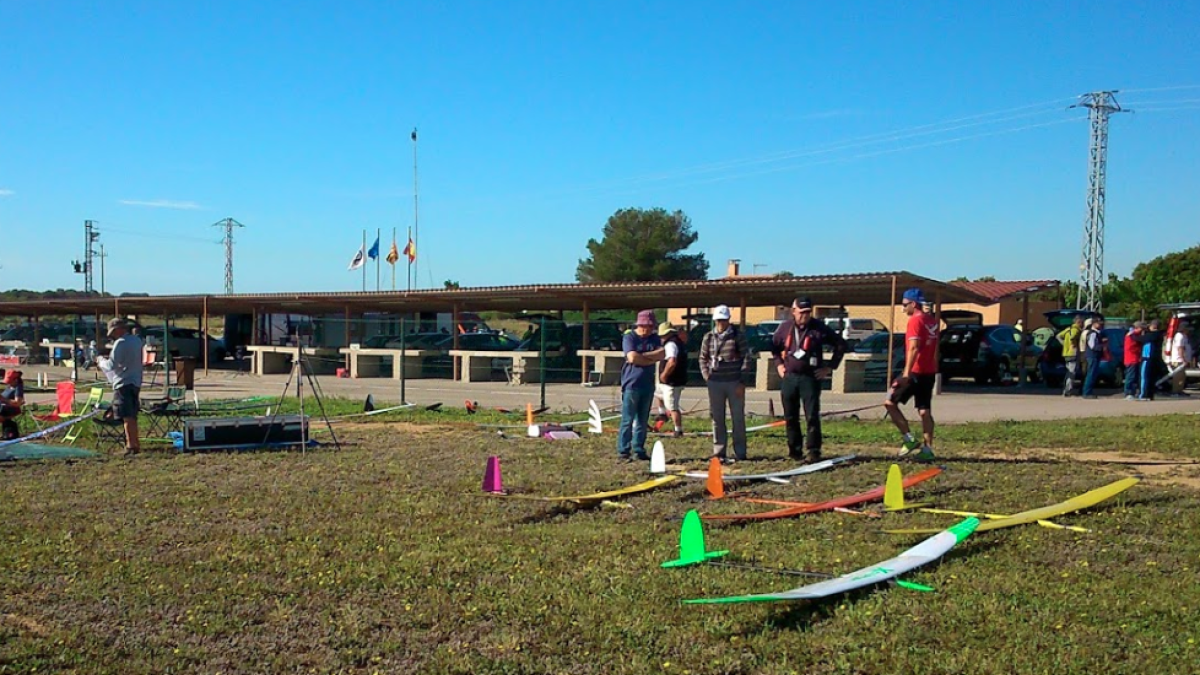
x=658, y=458
x=893, y=490
x=715, y=485
x=529, y=414
x=692, y=549
x=491, y=476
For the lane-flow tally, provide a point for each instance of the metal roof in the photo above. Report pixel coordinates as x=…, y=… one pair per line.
x=835, y=289
x=995, y=291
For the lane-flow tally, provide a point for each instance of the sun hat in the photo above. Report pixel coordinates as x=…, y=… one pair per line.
x=646, y=318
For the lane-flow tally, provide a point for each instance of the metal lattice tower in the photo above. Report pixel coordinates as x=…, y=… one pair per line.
x=90, y=235
x=1100, y=105
x=228, y=224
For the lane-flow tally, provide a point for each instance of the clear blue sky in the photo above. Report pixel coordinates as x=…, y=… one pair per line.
x=809, y=137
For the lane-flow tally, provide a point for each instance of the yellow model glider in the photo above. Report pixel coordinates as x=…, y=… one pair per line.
x=601, y=496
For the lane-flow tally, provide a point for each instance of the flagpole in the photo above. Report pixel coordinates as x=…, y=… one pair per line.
x=377, y=257
x=364, y=266
x=393, y=248
x=416, y=210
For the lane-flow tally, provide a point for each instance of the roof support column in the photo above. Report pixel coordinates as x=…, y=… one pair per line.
x=204, y=338
x=742, y=304
x=37, y=337
x=454, y=342
x=937, y=347
x=346, y=358
x=253, y=327
x=587, y=343
x=891, y=329
x=1023, y=375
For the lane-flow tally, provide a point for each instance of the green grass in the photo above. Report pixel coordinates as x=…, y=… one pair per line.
x=384, y=558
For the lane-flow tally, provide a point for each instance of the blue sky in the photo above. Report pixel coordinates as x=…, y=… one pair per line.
x=809, y=137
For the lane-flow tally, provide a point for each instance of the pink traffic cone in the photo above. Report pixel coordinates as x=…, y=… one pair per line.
x=491, y=476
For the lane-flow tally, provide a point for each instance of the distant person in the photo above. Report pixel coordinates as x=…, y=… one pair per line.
x=1095, y=349
x=724, y=360
x=798, y=346
x=919, y=377
x=125, y=367
x=642, y=349
x=14, y=388
x=1020, y=326
x=1133, y=360
x=1151, y=341
x=1180, y=356
x=674, y=373
x=1070, y=338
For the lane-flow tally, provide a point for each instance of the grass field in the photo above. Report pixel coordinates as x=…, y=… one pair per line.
x=384, y=557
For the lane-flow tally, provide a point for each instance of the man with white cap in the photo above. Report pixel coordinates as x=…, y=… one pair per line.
x=724, y=359
x=643, y=349
x=798, y=346
x=126, y=368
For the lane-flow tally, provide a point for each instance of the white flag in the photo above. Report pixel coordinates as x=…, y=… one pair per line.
x=359, y=259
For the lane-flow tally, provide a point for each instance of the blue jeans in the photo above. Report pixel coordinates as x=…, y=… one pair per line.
x=1147, y=381
x=635, y=415
x=1132, y=374
x=1093, y=371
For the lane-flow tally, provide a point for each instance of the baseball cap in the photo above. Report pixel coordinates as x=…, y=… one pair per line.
x=646, y=318
x=914, y=295
x=803, y=303
x=721, y=313
x=116, y=323
x=665, y=328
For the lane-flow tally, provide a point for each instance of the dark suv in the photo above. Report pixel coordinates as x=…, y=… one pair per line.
x=985, y=353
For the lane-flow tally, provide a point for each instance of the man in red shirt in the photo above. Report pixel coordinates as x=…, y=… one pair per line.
x=919, y=376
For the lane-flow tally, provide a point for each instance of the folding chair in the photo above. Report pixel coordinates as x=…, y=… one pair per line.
x=110, y=432
x=64, y=393
x=166, y=414
x=94, y=400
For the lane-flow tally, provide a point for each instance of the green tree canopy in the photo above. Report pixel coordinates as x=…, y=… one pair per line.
x=643, y=245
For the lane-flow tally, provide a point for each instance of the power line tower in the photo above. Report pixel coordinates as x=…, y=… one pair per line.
x=1100, y=105
x=85, y=267
x=228, y=224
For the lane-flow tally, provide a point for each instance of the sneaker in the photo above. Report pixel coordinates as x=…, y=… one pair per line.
x=925, y=454
x=726, y=461
x=677, y=434
x=641, y=456
x=812, y=457
x=909, y=447
x=624, y=459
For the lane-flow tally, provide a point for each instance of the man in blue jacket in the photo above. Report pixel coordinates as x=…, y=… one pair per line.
x=642, y=349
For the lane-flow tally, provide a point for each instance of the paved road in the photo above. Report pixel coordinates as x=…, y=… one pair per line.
x=960, y=402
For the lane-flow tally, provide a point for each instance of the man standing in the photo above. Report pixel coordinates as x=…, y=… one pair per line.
x=724, y=358
x=798, y=348
x=919, y=376
x=674, y=372
x=126, y=368
x=1151, y=341
x=1069, y=339
x=1095, y=345
x=642, y=350
x=1180, y=357
x=1133, y=359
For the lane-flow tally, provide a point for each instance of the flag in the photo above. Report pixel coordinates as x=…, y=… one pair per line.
x=394, y=254
x=373, y=253
x=359, y=259
x=411, y=251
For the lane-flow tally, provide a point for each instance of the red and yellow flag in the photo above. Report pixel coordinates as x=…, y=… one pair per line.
x=393, y=255
x=411, y=251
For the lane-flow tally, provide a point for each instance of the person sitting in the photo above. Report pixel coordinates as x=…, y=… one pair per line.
x=11, y=401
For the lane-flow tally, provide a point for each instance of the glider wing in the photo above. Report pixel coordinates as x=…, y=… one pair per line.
x=601, y=496
x=841, y=502
x=789, y=473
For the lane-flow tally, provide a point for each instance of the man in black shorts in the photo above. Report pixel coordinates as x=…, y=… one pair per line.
x=919, y=376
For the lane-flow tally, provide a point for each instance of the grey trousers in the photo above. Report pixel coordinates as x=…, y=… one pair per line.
x=721, y=394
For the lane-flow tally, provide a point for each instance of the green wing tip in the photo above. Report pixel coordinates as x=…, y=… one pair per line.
x=914, y=586
x=964, y=529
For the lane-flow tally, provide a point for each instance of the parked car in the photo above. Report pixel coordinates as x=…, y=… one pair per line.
x=853, y=330
x=985, y=353
x=875, y=372
x=185, y=342
x=563, y=342
x=1053, y=367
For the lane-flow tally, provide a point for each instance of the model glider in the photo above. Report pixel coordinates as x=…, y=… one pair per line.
x=1083, y=501
x=799, y=508
x=692, y=549
x=601, y=496
x=777, y=476
x=922, y=554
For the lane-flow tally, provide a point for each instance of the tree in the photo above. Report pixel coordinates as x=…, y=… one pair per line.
x=643, y=245
x=450, y=285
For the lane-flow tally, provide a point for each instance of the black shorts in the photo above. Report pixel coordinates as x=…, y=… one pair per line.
x=126, y=403
x=919, y=388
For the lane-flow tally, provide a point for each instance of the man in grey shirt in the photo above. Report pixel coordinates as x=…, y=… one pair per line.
x=126, y=377
x=724, y=358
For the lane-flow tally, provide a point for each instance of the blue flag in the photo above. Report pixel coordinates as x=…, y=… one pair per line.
x=373, y=253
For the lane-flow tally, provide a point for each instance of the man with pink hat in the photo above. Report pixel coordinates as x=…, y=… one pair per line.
x=643, y=349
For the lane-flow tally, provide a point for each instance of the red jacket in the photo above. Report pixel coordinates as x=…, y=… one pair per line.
x=1133, y=350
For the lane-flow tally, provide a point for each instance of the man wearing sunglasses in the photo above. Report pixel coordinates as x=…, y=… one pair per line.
x=919, y=376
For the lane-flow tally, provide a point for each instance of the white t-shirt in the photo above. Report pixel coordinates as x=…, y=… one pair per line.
x=1181, y=349
x=671, y=350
